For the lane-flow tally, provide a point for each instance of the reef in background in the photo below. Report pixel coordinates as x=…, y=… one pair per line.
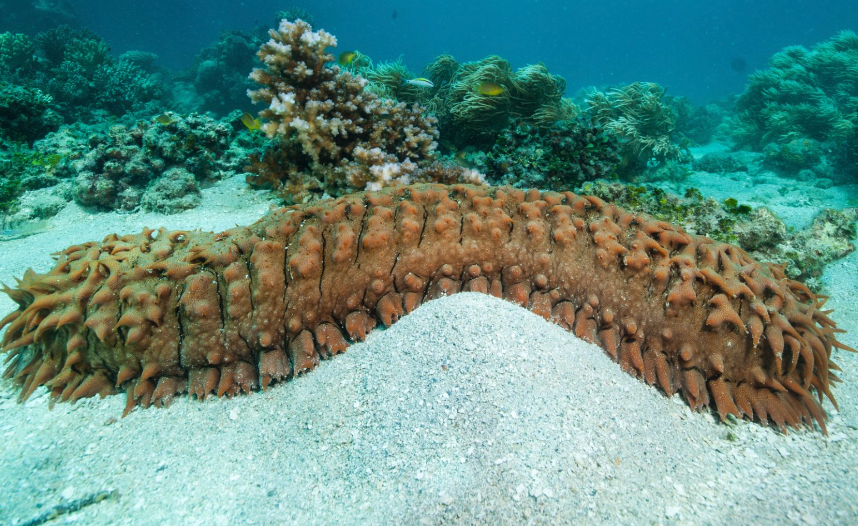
x=804, y=95
x=336, y=126
x=332, y=137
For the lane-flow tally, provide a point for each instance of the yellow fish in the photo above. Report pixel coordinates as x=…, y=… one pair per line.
x=251, y=123
x=346, y=58
x=490, y=88
x=165, y=118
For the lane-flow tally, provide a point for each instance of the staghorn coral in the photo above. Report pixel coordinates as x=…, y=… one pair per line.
x=804, y=94
x=333, y=136
x=643, y=122
x=162, y=313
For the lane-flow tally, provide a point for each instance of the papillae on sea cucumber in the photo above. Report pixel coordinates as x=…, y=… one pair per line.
x=162, y=313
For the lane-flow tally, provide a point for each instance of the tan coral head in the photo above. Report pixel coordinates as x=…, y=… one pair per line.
x=162, y=313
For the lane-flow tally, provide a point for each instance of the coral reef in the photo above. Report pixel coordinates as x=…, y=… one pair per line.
x=175, y=190
x=75, y=67
x=804, y=94
x=159, y=315
x=113, y=170
x=16, y=52
x=218, y=80
x=720, y=163
x=792, y=157
x=26, y=113
x=333, y=137
x=468, y=117
x=642, y=120
x=695, y=123
x=21, y=169
x=531, y=95
x=144, y=60
x=560, y=157
x=52, y=44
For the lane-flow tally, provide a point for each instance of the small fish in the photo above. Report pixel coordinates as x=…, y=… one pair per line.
x=461, y=159
x=251, y=123
x=346, y=58
x=165, y=118
x=491, y=89
x=420, y=82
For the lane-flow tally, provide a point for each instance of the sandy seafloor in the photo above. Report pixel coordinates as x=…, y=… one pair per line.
x=470, y=410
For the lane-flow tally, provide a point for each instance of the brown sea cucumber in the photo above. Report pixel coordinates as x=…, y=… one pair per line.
x=161, y=313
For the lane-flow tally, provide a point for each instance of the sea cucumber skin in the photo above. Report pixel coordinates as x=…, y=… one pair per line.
x=162, y=313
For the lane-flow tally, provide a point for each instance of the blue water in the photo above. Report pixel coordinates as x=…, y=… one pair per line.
x=685, y=45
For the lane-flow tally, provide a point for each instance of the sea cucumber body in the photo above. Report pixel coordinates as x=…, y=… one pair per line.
x=161, y=313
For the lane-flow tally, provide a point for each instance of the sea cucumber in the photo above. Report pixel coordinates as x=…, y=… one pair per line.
x=167, y=312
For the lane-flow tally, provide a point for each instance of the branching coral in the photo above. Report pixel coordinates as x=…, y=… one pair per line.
x=638, y=114
x=803, y=94
x=16, y=51
x=75, y=67
x=90, y=53
x=339, y=136
x=122, y=86
x=25, y=113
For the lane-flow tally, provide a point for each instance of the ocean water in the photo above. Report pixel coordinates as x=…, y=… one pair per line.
x=685, y=45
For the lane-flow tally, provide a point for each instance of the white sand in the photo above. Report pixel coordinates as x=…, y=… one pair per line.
x=470, y=410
